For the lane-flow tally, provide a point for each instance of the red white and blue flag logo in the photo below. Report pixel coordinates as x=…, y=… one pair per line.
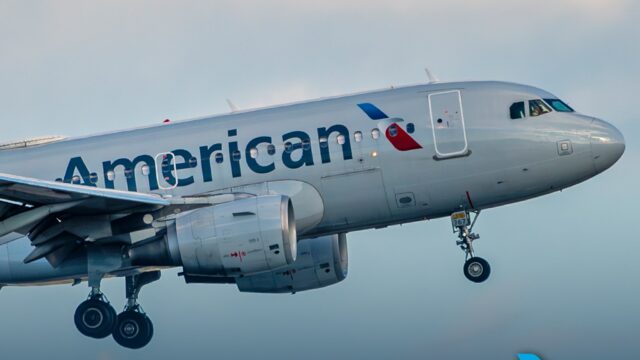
x=397, y=136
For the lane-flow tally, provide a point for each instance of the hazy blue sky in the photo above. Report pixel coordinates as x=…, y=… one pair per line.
x=564, y=281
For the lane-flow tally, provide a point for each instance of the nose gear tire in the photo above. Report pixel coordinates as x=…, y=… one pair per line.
x=477, y=269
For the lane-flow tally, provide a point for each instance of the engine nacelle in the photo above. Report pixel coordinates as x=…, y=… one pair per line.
x=321, y=261
x=241, y=237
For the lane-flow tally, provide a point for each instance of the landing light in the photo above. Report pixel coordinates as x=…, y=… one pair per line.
x=374, y=154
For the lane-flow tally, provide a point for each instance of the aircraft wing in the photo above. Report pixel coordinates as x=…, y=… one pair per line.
x=58, y=217
x=30, y=191
x=25, y=201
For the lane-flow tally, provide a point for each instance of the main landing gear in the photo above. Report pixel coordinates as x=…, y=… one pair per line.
x=475, y=268
x=132, y=328
x=95, y=317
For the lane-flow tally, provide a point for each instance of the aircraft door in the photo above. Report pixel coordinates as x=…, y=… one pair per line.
x=166, y=171
x=447, y=122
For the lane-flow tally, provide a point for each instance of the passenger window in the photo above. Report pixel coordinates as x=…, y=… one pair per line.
x=375, y=134
x=271, y=149
x=357, y=136
x=411, y=128
x=393, y=130
x=253, y=152
x=538, y=107
x=219, y=158
x=517, y=110
x=324, y=142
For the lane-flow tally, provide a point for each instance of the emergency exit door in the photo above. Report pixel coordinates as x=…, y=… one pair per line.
x=166, y=171
x=447, y=122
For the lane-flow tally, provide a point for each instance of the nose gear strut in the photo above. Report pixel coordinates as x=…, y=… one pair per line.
x=475, y=268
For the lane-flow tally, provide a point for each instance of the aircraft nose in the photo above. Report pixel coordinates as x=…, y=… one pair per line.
x=607, y=145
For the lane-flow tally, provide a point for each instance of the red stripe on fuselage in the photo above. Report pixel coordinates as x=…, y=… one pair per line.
x=402, y=141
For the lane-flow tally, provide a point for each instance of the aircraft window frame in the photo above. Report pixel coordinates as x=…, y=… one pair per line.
x=253, y=153
x=541, y=105
x=219, y=158
x=341, y=139
x=306, y=144
x=375, y=134
x=111, y=175
x=518, y=113
x=553, y=102
x=193, y=162
x=324, y=142
x=145, y=170
x=357, y=136
x=236, y=155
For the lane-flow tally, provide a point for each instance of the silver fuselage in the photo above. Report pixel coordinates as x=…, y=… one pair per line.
x=376, y=185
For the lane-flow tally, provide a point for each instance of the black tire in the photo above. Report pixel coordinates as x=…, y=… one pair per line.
x=477, y=269
x=95, y=319
x=133, y=330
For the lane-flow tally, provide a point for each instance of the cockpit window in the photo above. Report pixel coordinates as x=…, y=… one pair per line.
x=559, y=105
x=538, y=107
x=517, y=110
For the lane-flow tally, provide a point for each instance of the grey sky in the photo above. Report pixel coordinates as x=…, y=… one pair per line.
x=563, y=281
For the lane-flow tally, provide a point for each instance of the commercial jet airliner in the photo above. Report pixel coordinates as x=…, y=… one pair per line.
x=263, y=199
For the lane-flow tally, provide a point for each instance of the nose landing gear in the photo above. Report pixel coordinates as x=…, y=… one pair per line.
x=475, y=268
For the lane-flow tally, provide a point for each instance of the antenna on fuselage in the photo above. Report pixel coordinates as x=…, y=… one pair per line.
x=232, y=106
x=432, y=78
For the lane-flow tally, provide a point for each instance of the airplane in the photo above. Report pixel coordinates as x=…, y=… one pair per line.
x=264, y=198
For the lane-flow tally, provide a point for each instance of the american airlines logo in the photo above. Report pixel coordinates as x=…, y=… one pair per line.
x=258, y=154
x=296, y=151
x=397, y=136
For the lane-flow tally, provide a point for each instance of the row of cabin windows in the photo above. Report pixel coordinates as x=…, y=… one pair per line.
x=537, y=107
x=253, y=153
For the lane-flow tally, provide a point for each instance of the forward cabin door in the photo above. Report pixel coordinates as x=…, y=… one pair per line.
x=447, y=122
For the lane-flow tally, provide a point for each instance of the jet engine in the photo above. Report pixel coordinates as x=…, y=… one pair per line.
x=321, y=262
x=240, y=237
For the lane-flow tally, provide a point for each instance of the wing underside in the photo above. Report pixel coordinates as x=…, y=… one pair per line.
x=59, y=218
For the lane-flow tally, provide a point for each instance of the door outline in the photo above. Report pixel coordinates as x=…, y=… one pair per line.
x=159, y=171
x=465, y=150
